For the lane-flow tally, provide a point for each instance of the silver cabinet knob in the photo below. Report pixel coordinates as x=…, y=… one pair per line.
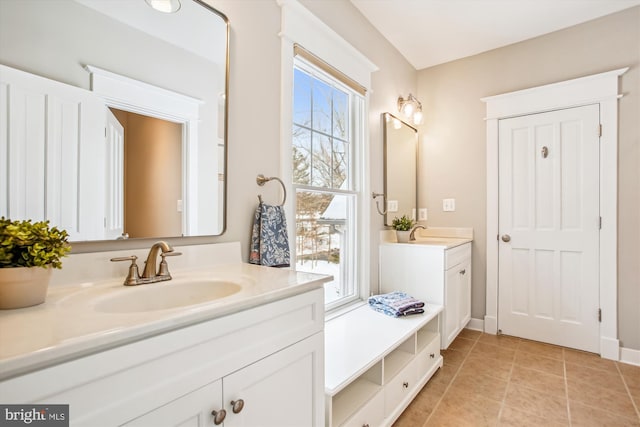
x=237, y=405
x=432, y=355
x=219, y=416
x=506, y=238
x=405, y=384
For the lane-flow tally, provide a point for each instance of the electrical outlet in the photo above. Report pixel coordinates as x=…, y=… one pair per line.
x=413, y=214
x=448, y=205
x=392, y=206
x=422, y=214
x=179, y=205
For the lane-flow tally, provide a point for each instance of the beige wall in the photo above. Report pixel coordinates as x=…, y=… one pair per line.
x=454, y=143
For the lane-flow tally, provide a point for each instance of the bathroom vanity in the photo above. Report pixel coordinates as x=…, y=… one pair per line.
x=434, y=268
x=251, y=357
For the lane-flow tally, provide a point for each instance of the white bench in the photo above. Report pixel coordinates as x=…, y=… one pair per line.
x=376, y=364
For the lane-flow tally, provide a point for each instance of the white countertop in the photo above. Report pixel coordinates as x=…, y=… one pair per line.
x=67, y=325
x=434, y=236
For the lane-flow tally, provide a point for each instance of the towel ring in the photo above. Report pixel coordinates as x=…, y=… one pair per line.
x=261, y=180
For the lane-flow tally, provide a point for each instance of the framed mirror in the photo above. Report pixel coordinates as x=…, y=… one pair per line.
x=113, y=117
x=400, y=168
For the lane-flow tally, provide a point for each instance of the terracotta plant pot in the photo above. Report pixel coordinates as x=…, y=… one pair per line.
x=23, y=286
x=403, y=236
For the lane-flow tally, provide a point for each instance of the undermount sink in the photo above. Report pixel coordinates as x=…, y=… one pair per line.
x=165, y=295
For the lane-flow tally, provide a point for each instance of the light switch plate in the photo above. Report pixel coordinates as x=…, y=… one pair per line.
x=392, y=206
x=422, y=214
x=449, y=205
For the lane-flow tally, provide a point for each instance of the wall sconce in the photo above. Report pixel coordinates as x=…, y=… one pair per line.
x=411, y=108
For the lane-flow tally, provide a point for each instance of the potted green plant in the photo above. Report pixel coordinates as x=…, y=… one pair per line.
x=403, y=227
x=28, y=253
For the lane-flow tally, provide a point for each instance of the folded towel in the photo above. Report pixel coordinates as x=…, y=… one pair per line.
x=396, y=304
x=269, y=240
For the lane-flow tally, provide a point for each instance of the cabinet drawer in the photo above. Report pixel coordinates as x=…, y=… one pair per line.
x=428, y=357
x=371, y=414
x=400, y=387
x=456, y=255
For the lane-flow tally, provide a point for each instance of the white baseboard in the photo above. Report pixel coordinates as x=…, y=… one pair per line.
x=475, y=325
x=630, y=356
x=609, y=348
x=491, y=325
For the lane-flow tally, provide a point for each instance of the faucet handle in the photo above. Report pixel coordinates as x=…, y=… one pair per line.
x=163, y=270
x=133, y=277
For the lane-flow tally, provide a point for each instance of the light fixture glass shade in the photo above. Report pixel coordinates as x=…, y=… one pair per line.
x=417, y=117
x=407, y=109
x=165, y=6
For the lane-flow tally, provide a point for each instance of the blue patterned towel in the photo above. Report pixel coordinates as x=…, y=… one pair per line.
x=396, y=304
x=269, y=240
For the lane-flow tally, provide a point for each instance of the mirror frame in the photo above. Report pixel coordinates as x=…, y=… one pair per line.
x=387, y=118
x=221, y=142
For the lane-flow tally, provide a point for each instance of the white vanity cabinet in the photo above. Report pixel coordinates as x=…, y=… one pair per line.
x=435, y=273
x=269, y=356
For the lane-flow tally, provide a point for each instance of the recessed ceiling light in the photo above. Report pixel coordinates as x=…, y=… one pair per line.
x=165, y=6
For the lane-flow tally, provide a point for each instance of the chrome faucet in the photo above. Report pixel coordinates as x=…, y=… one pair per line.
x=149, y=274
x=412, y=235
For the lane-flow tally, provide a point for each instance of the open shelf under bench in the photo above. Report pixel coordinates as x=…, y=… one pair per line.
x=376, y=364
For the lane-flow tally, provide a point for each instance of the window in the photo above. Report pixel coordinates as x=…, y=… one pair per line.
x=326, y=146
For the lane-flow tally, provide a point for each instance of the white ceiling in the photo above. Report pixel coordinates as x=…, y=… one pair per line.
x=431, y=32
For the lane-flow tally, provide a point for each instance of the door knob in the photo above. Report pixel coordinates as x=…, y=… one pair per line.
x=506, y=238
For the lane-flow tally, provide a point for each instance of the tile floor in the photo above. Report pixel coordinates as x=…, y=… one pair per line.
x=490, y=380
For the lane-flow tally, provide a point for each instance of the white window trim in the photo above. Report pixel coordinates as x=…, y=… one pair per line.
x=299, y=25
x=599, y=89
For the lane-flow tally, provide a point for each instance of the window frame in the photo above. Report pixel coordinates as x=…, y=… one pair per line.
x=300, y=26
x=355, y=108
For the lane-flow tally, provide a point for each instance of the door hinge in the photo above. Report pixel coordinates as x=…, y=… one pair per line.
x=600, y=223
x=599, y=130
x=599, y=315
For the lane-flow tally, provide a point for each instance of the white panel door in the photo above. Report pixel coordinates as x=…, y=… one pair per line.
x=549, y=227
x=114, y=178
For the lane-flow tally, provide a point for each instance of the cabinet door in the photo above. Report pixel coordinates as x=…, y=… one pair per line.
x=451, y=313
x=191, y=410
x=284, y=389
x=464, y=279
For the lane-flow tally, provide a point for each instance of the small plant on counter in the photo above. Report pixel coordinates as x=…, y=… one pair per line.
x=404, y=223
x=24, y=243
